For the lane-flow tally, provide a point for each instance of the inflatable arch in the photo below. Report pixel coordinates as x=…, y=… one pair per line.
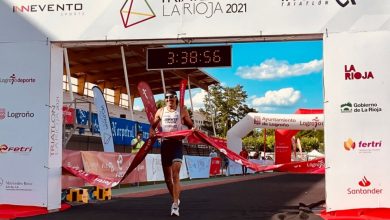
x=283, y=123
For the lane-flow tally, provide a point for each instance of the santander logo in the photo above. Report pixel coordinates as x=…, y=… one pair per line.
x=364, y=182
x=366, y=190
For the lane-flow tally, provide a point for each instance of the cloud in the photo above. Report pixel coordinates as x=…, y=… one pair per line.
x=137, y=107
x=273, y=69
x=197, y=99
x=278, y=98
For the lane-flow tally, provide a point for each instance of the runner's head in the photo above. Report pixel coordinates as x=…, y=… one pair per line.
x=171, y=97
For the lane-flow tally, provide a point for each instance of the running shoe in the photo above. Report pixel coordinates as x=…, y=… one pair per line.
x=175, y=209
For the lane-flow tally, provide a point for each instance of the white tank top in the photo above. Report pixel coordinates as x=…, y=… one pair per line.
x=170, y=121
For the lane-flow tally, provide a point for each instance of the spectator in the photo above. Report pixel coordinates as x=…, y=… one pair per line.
x=245, y=155
x=213, y=153
x=225, y=165
x=137, y=143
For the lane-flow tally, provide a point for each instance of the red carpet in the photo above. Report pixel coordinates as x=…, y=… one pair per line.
x=358, y=214
x=14, y=211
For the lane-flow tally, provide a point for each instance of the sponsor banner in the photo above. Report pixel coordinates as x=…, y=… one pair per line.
x=357, y=121
x=148, y=100
x=24, y=123
x=261, y=162
x=198, y=167
x=183, y=84
x=272, y=121
x=282, y=147
x=154, y=169
x=92, y=178
x=103, y=120
x=109, y=169
x=55, y=129
x=113, y=165
x=71, y=159
x=316, y=166
x=134, y=19
x=69, y=115
x=234, y=168
x=215, y=166
x=123, y=130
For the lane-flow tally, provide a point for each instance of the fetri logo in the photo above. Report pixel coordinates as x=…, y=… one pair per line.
x=17, y=149
x=362, y=145
x=364, y=182
x=352, y=74
x=345, y=2
x=136, y=11
x=349, y=144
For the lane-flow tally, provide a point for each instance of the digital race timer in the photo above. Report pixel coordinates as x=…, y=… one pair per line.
x=188, y=57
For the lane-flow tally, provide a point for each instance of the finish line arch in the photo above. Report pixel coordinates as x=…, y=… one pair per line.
x=353, y=79
x=286, y=122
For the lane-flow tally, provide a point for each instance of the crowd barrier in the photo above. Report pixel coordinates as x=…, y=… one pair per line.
x=113, y=165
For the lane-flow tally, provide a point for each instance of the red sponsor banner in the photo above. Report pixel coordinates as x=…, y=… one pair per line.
x=283, y=142
x=215, y=166
x=147, y=99
x=93, y=179
x=72, y=159
x=183, y=84
x=140, y=156
x=69, y=115
x=316, y=166
x=283, y=146
x=113, y=165
x=111, y=181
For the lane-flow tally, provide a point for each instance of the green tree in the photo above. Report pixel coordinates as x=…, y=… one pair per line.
x=227, y=106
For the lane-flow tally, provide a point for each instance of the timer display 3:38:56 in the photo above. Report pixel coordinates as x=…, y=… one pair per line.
x=188, y=57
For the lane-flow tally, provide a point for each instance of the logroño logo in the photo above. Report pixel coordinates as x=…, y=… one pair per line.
x=2, y=113
x=352, y=74
x=15, y=115
x=136, y=11
x=345, y=3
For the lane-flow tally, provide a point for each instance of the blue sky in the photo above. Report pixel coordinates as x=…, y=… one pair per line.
x=279, y=77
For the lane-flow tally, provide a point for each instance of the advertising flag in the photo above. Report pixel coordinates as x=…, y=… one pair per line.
x=103, y=120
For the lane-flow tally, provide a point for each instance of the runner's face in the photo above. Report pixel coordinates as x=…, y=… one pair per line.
x=171, y=100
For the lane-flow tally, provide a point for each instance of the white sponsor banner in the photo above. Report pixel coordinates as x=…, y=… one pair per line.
x=103, y=120
x=55, y=129
x=198, y=167
x=357, y=94
x=24, y=123
x=154, y=170
x=234, y=168
x=261, y=162
x=168, y=19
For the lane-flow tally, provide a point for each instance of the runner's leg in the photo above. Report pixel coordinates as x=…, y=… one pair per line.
x=176, y=181
x=168, y=179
